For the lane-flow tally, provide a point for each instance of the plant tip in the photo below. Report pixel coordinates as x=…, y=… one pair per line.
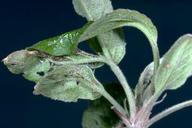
x=4, y=60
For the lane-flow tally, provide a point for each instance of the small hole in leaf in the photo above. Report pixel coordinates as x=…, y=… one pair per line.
x=41, y=73
x=13, y=64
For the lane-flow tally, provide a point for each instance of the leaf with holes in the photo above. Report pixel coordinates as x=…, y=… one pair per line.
x=27, y=63
x=34, y=65
x=111, y=43
x=36, y=72
x=68, y=83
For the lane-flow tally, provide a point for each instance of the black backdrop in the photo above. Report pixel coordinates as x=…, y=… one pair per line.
x=23, y=23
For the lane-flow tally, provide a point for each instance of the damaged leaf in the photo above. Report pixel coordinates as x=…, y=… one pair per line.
x=28, y=63
x=68, y=83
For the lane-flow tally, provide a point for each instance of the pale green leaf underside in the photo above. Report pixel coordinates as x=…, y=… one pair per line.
x=19, y=61
x=68, y=83
x=124, y=17
x=37, y=71
x=114, y=43
x=176, y=65
x=111, y=42
x=92, y=9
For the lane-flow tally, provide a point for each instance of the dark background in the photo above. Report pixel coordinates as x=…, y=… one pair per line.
x=23, y=23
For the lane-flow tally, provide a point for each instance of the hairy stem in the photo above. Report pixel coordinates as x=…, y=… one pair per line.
x=81, y=61
x=123, y=118
x=169, y=111
x=120, y=76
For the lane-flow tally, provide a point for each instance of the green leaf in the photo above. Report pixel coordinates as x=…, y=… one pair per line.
x=99, y=114
x=92, y=9
x=64, y=44
x=124, y=17
x=176, y=65
x=113, y=44
x=68, y=83
x=37, y=71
